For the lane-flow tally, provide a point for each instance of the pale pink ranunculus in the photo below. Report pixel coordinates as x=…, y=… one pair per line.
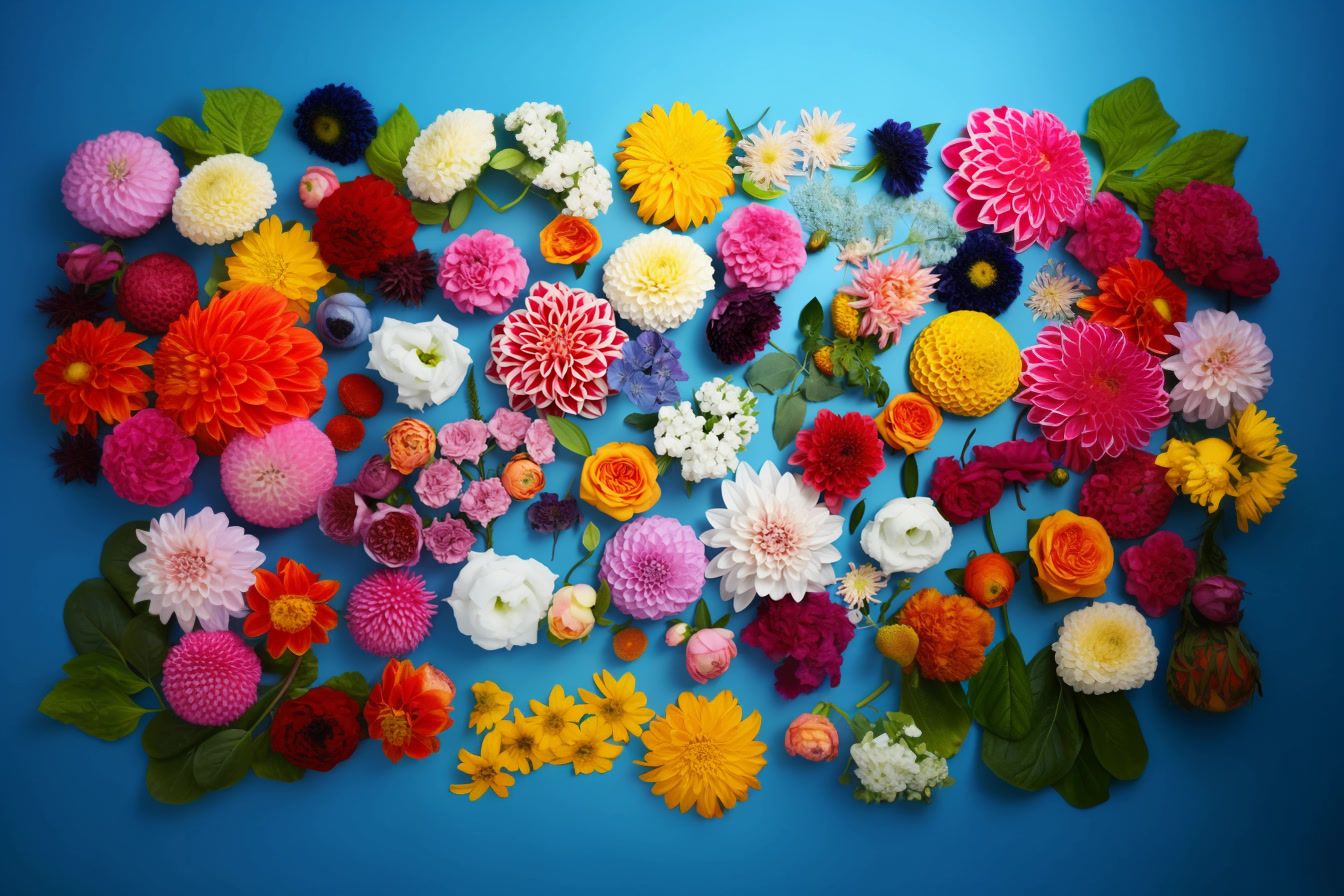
x=438, y=483
x=317, y=183
x=570, y=616
x=540, y=442
x=89, y=264
x=485, y=500
x=449, y=540
x=482, y=270
x=463, y=442
x=509, y=428
x=709, y=653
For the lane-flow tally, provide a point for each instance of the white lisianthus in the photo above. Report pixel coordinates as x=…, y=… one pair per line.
x=907, y=535
x=498, y=600
x=424, y=361
x=450, y=154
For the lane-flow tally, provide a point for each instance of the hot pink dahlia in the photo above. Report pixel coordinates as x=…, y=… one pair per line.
x=890, y=295
x=120, y=184
x=276, y=480
x=1210, y=234
x=655, y=566
x=149, y=460
x=1104, y=233
x=761, y=248
x=1017, y=173
x=1127, y=494
x=211, y=678
x=1158, y=572
x=553, y=353
x=483, y=270
x=1092, y=392
x=389, y=613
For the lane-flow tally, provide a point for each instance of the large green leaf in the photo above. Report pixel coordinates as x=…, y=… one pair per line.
x=1206, y=155
x=195, y=143
x=1130, y=125
x=223, y=759
x=772, y=373
x=352, y=683
x=1114, y=731
x=1000, y=693
x=568, y=434
x=95, y=618
x=790, y=409
x=101, y=669
x=819, y=387
x=1087, y=784
x=243, y=118
x=1051, y=745
x=98, y=709
x=170, y=780
x=144, y=644
x=939, y=709
x=268, y=764
x=167, y=736
x=431, y=213
x=386, y=155
x=120, y=548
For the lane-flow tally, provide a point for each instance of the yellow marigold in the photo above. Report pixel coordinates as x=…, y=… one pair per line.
x=844, y=316
x=492, y=705
x=1207, y=471
x=1266, y=465
x=676, y=163
x=702, y=753
x=966, y=362
x=285, y=260
x=953, y=633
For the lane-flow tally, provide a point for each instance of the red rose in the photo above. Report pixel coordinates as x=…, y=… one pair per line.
x=318, y=730
x=363, y=224
x=964, y=493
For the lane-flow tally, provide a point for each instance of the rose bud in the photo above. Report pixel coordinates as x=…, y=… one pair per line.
x=812, y=737
x=571, y=614
x=522, y=477
x=1218, y=598
x=709, y=652
x=677, y=634
x=89, y=264
x=317, y=183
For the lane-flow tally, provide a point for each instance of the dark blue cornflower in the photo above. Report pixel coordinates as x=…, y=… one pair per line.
x=984, y=275
x=336, y=123
x=905, y=156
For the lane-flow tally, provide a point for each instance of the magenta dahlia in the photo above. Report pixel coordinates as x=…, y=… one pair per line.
x=389, y=612
x=1127, y=494
x=276, y=480
x=147, y=459
x=761, y=248
x=211, y=678
x=655, y=567
x=120, y=184
x=1158, y=572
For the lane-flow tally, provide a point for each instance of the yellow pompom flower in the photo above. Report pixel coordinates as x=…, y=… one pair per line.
x=618, y=709
x=1207, y=471
x=844, y=316
x=676, y=164
x=484, y=769
x=966, y=363
x=823, y=361
x=1266, y=465
x=285, y=260
x=585, y=747
x=492, y=705
x=520, y=743
x=554, y=717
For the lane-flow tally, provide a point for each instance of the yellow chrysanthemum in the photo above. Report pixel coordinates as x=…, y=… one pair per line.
x=966, y=363
x=553, y=718
x=492, y=705
x=1266, y=465
x=520, y=743
x=677, y=165
x=618, y=708
x=1207, y=471
x=703, y=753
x=484, y=769
x=285, y=260
x=585, y=747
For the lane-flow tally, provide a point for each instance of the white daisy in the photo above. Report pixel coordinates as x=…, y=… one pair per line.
x=1053, y=294
x=769, y=158
x=861, y=585
x=824, y=140
x=1221, y=366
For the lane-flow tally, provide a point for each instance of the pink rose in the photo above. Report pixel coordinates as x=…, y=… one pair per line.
x=509, y=428
x=463, y=442
x=147, y=459
x=376, y=478
x=1104, y=233
x=709, y=653
x=1158, y=571
x=89, y=264
x=964, y=493
x=1218, y=598
x=482, y=270
x=393, y=536
x=485, y=500
x=540, y=442
x=449, y=540
x=342, y=514
x=317, y=183
x=438, y=483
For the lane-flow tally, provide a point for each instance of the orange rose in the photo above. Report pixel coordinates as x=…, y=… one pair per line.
x=522, y=477
x=989, y=580
x=570, y=240
x=909, y=422
x=410, y=445
x=1073, y=556
x=620, y=479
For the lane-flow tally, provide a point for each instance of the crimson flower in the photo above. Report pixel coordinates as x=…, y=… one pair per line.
x=839, y=455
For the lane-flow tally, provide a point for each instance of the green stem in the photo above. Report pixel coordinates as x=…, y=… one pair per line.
x=280, y=694
x=494, y=205
x=790, y=355
x=989, y=533
x=1007, y=629
x=582, y=560
x=489, y=535
x=874, y=695
x=966, y=444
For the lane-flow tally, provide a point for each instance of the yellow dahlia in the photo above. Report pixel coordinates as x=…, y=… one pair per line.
x=585, y=747
x=492, y=705
x=1266, y=465
x=285, y=260
x=1207, y=471
x=618, y=708
x=485, y=771
x=966, y=363
x=677, y=165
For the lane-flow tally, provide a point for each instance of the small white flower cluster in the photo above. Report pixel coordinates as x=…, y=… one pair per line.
x=536, y=125
x=569, y=167
x=707, y=436
x=899, y=769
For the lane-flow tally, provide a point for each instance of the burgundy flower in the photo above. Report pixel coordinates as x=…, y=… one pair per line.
x=741, y=323
x=342, y=514
x=1158, y=571
x=964, y=493
x=1021, y=461
x=376, y=478
x=394, y=536
x=808, y=636
x=1128, y=495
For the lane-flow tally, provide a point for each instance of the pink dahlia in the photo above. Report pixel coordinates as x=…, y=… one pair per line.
x=1127, y=494
x=1210, y=234
x=393, y=536
x=1017, y=173
x=449, y=540
x=761, y=248
x=211, y=678
x=1104, y=233
x=276, y=480
x=1092, y=392
x=1158, y=572
x=147, y=459
x=342, y=514
x=389, y=613
x=509, y=428
x=890, y=295
x=553, y=353
x=486, y=500
x=438, y=483
x=655, y=566
x=482, y=270
x=120, y=184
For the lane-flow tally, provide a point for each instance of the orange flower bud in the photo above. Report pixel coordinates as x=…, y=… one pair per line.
x=410, y=445
x=989, y=580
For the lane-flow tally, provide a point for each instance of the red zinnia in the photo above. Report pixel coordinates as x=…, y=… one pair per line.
x=93, y=372
x=1140, y=301
x=363, y=224
x=839, y=455
x=289, y=607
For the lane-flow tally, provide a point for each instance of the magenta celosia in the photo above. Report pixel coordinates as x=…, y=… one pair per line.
x=389, y=612
x=655, y=566
x=761, y=248
x=1105, y=233
x=1210, y=234
x=808, y=636
x=277, y=479
x=120, y=184
x=1127, y=494
x=211, y=678
x=149, y=460
x=1158, y=572
x=482, y=270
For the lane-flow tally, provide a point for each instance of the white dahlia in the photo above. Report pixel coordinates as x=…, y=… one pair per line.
x=823, y=139
x=658, y=280
x=196, y=568
x=1221, y=365
x=450, y=154
x=1105, y=647
x=777, y=539
x=222, y=198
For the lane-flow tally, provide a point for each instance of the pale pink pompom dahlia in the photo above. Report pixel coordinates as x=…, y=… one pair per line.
x=761, y=248
x=276, y=480
x=120, y=184
x=483, y=271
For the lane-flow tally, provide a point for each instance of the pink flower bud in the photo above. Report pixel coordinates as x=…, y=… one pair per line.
x=677, y=634
x=317, y=183
x=812, y=737
x=571, y=614
x=1218, y=598
x=709, y=652
x=89, y=264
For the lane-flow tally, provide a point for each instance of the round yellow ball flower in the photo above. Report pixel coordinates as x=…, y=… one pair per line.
x=1105, y=647
x=676, y=164
x=222, y=198
x=285, y=260
x=844, y=316
x=966, y=363
x=449, y=155
x=658, y=280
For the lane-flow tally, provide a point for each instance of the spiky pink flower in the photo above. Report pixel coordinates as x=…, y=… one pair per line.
x=890, y=294
x=120, y=184
x=211, y=678
x=388, y=614
x=276, y=480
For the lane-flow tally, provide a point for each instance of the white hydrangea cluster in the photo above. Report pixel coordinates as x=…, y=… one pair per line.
x=898, y=769
x=569, y=167
x=536, y=127
x=707, y=436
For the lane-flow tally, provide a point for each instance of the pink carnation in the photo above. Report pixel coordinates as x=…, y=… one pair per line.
x=1158, y=572
x=120, y=184
x=1127, y=494
x=276, y=480
x=509, y=428
x=485, y=500
x=438, y=483
x=540, y=442
x=1104, y=234
x=149, y=460
x=393, y=536
x=463, y=442
x=1210, y=234
x=964, y=493
x=761, y=248
x=482, y=270
x=342, y=515
x=449, y=540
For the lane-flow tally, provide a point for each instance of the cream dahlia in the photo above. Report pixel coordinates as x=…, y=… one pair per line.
x=222, y=198
x=1105, y=647
x=449, y=154
x=1221, y=365
x=658, y=280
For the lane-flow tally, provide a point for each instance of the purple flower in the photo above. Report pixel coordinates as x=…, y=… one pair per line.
x=342, y=515
x=463, y=441
x=1218, y=598
x=438, y=483
x=648, y=371
x=376, y=478
x=550, y=513
x=449, y=540
x=89, y=264
x=655, y=566
x=485, y=500
x=393, y=536
x=741, y=323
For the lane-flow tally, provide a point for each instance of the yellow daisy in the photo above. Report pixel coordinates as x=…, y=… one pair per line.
x=492, y=704
x=585, y=746
x=618, y=709
x=1266, y=465
x=485, y=770
x=703, y=754
x=553, y=718
x=520, y=743
x=285, y=260
x=677, y=165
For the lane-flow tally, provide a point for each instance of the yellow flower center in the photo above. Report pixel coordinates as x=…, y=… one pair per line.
x=1162, y=307
x=611, y=710
x=552, y=722
x=78, y=372
x=118, y=168
x=292, y=613
x=326, y=128
x=396, y=727
x=1109, y=643
x=982, y=274
x=485, y=774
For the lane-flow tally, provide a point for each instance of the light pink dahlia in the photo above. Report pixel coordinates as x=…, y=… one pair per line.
x=552, y=354
x=1221, y=365
x=655, y=566
x=1104, y=234
x=389, y=613
x=890, y=295
x=211, y=678
x=1017, y=173
x=761, y=248
x=277, y=479
x=120, y=184
x=482, y=270
x=147, y=459
x=1092, y=392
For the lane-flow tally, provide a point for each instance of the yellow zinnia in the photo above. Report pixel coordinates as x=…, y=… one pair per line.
x=1266, y=465
x=485, y=771
x=1206, y=471
x=553, y=719
x=492, y=704
x=285, y=260
x=618, y=709
x=520, y=743
x=585, y=747
x=677, y=165
x=703, y=753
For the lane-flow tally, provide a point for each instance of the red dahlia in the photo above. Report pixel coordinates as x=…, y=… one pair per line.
x=839, y=455
x=363, y=224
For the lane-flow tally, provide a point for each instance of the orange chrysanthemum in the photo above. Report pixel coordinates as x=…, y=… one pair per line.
x=289, y=606
x=93, y=373
x=953, y=634
x=409, y=708
x=1140, y=301
x=238, y=365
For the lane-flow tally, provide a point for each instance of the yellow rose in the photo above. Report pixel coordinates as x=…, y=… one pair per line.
x=620, y=479
x=410, y=445
x=1073, y=556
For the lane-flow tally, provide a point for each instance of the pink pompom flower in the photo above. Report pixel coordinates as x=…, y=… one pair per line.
x=393, y=536
x=482, y=270
x=438, y=483
x=761, y=248
x=120, y=184
x=317, y=183
x=655, y=566
x=485, y=500
x=449, y=540
x=464, y=441
x=389, y=613
x=1128, y=494
x=147, y=459
x=509, y=428
x=342, y=514
x=540, y=442
x=89, y=264
x=1158, y=572
x=211, y=678
x=1104, y=234
x=276, y=480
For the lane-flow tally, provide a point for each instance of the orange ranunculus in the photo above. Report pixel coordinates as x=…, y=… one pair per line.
x=1073, y=556
x=289, y=606
x=953, y=633
x=620, y=479
x=409, y=708
x=410, y=445
x=909, y=422
x=93, y=373
x=522, y=477
x=570, y=240
x=989, y=580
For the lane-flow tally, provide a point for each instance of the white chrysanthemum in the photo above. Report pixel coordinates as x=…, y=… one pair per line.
x=768, y=158
x=1105, y=647
x=658, y=280
x=1053, y=294
x=776, y=538
x=196, y=568
x=222, y=198
x=449, y=154
x=1221, y=365
x=823, y=139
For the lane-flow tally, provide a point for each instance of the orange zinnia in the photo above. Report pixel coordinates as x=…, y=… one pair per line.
x=1140, y=301
x=289, y=607
x=238, y=365
x=91, y=373
x=953, y=634
x=409, y=708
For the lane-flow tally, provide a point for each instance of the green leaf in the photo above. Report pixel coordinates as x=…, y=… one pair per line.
x=352, y=683
x=219, y=272
x=103, y=670
x=431, y=213
x=958, y=579
x=910, y=476
x=95, y=618
x=167, y=736
x=819, y=387
x=732, y=125
x=1016, y=558
x=772, y=373
x=939, y=709
x=1130, y=125
x=568, y=434
x=764, y=194
x=507, y=158
x=663, y=462
x=243, y=118
x=99, y=709
x=641, y=422
x=280, y=666
x=1087, y=784
x=461, y=207
x=195, y=143
x=170, y=779
x=119, y=549
x=1206, y=155
x=927, y=131
x=856, y=516
x=1000, y=693
x=268, y=764
x=790, y=410
x=144, y=644
x=701, y=619
x=1114, y=731
x=223, y=759
x=603, y=602
x=812, y=317
x=591, y=537
x=1051, y=744
x=874, y=165
x=386, y=155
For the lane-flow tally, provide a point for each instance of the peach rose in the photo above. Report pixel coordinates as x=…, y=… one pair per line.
x=812, y=737
x=410, y=445
x=1072, y=555
x=570, y=240
x=571, y=614
x=522, y=477
x=620, y=479
x=909, y=422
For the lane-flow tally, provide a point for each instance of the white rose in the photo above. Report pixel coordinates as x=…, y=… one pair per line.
x=424, y=361
x=907, y=535
x=498, y=600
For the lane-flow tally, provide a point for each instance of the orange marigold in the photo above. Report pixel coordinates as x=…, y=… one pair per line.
x=409, y=708
x=238, y=365
x=953, y=633
x=1140, y=301
x=92, y=373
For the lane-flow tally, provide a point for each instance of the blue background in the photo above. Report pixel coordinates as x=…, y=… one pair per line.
x=1238, y=802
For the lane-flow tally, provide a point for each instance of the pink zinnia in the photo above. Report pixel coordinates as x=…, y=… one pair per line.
x=1158, y=572
x=393, y=536
x=464, y=441
x=211, y=678
x=149, y=460
x=120, y=184
x=449, y=540
x=1127, y=494
x=655, y=566
x=1104, y=234
x=389, y=613
x=1092, y=392
x=891, y=295
x=508, y=428
x=482, y=270
x=438, y=483
x=277, y=479
x=485, y=500
x=1017, y=173
x=761, y=248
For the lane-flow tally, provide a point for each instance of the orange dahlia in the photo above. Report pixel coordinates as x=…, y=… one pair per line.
x=91, y=373
x=289, y=606
x=953, y=634
x=238, y=365
x=409, y=708
x=1136, y=298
